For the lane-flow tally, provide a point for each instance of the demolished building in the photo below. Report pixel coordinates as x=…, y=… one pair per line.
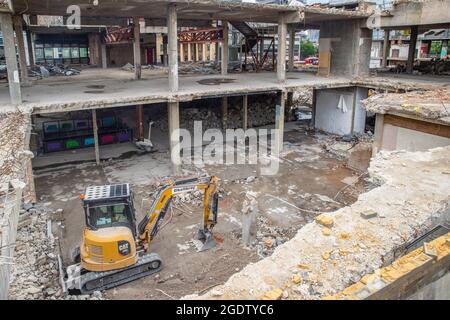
x=141, y=74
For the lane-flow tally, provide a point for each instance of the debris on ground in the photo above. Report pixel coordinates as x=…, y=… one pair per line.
x=200, y=67
x=130, y=67
x=36, y=268
x=48, y=70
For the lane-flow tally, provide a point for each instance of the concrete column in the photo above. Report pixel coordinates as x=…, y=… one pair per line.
x=245, y=112
x=281, y=56
x=378, y=139
x=210, y=53
x=386, y=48
x=104, y=60
x=173, y=112
x=137, y=49
x=312, y=124
x=216, y=52
x=95, y=127
x=225, y=48
x=140, y=122
x=279, y=119
x=204, y=52
x=17, y=20
x=412, y=48
x=6, y=25
x=224, y=113
x=197, y=52
x=30, y=44
x=172, y=41
x=166, y=62
x=291, y=48
x=261, y=49
x=189, y=52
x=95, y=49
x=181, y=53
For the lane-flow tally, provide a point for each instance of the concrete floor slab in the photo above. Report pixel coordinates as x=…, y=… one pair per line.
x=98, y=88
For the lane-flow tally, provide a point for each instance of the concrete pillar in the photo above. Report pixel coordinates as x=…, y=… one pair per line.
x=209, y=49
x=17, y=20
x=224, y=113
x=6, y=25
x=345, y=45
x=245, y=112
x=386, y=48
x=378, y=139
x=140, y=122
x=95, y=49
x=181, y=53
x=30, y=44
x=165, y=55
x=225, y=48
x=204, y=52
x=137, y=49
x=197, y=52
x=261, y=49
x=281, y=56
x=104, y=58
x=412, y=48
x=313, y=113
x=291, y=48
x=96, y=145
x=189, y=51
x=173, y=112
x=279, y=119
x=172, y=42
x=216, y=52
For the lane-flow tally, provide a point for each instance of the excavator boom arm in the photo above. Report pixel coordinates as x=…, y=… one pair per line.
x=150, y=225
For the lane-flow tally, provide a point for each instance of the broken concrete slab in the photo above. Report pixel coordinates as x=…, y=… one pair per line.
x=427, y=203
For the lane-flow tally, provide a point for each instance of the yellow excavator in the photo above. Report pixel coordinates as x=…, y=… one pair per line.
x=113, y=250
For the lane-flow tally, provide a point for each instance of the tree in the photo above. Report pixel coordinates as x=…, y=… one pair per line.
x=307, y=49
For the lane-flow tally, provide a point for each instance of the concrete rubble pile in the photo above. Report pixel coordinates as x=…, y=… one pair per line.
x=261, y=111
x=130, y=67
x=36, y=270
x=339, y=248
x=201, y=67
x=13, y=156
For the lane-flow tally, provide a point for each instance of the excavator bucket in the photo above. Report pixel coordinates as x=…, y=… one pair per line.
x=207, y=240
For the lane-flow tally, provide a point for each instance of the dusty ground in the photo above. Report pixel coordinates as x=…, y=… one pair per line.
x=308, y=180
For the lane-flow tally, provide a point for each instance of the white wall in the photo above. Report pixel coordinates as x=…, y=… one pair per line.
x=333, y=120
x=396, y=138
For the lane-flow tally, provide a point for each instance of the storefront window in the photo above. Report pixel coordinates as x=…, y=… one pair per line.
x=75, y=53
x=83, y=52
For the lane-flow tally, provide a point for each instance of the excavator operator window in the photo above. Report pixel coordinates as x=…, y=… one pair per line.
x=110, y=215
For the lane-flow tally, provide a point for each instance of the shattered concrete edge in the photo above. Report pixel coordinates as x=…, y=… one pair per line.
x=413, y=195
x=424, y=104
x=373, y=283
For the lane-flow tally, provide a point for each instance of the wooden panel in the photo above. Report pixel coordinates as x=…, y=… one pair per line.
x=324, y=66
x=417, y=125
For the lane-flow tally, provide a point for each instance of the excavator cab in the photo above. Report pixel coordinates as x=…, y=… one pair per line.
x=114, y=249
x=109, y=206
x=109, y=237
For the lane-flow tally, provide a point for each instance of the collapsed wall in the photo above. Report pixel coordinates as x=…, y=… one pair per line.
x=340, y=248
x=15, y=169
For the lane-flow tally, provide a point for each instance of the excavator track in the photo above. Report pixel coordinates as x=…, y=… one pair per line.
x=98, y=281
